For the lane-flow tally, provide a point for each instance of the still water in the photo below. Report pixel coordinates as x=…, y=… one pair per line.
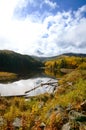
x=37, y=85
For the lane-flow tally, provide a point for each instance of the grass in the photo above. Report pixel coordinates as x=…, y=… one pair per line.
x=7, y=76
x=73, y=96
x=41, y=108
x=72, y=88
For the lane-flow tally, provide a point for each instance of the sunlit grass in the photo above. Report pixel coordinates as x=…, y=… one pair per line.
x=4, y=76
x=71, y=90
x=75, y=96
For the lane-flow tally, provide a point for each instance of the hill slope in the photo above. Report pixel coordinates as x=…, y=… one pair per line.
x=44, y=59
x=14, y=62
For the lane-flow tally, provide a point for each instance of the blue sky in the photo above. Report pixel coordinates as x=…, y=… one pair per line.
x=43, y=27
x=70, y=4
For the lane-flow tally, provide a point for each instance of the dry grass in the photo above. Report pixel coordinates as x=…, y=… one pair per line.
x=4, y=76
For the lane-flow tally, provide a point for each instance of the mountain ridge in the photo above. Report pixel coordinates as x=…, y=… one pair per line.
x=11, y=61
x=57, y=56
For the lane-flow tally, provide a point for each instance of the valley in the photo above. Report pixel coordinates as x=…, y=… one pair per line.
x=60, y=109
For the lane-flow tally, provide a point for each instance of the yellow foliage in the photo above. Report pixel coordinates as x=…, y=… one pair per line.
x=7, y=76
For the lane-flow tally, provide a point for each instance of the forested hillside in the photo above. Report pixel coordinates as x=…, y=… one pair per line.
x=17, y=63
x=63, y=109
x=65, y=64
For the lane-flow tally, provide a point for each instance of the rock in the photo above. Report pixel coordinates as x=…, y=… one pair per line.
x=74, y=126
x=42, y=124
x=74, y=115
x=66, y=126
x=17, y=122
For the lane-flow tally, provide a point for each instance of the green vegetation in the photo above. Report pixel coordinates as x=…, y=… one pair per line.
x=66, y=105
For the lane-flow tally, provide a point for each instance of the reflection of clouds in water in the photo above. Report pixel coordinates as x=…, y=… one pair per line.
x=20, y=87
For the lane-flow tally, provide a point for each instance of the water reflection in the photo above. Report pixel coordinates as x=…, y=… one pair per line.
x=22, y=86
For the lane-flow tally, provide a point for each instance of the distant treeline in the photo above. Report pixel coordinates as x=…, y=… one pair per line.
x=66, y=62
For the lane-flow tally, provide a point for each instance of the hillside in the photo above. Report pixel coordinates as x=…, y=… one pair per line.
x=44, y=59
x=63, y=109
x=65, y=63
x=17, y=63
x=13, y=62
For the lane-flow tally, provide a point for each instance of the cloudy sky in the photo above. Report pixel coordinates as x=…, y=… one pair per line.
x=43, y=27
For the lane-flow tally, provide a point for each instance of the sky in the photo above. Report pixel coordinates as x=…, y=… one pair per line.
x=43, y=27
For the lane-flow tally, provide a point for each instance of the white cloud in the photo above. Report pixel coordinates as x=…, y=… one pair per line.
x=51, y=35
x=15, y=33
x=67, y=32
x=53, y=5
x=79, y=13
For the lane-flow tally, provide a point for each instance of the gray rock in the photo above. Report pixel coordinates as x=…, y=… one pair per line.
x=74, y=115
x=66, y=126
x=42, y=124
x=17, y=122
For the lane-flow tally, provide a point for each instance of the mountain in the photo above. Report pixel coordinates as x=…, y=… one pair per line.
x=11, y=61
x=75, y=54
x=43, y=59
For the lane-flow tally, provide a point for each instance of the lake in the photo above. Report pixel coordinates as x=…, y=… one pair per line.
x=28, y=86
